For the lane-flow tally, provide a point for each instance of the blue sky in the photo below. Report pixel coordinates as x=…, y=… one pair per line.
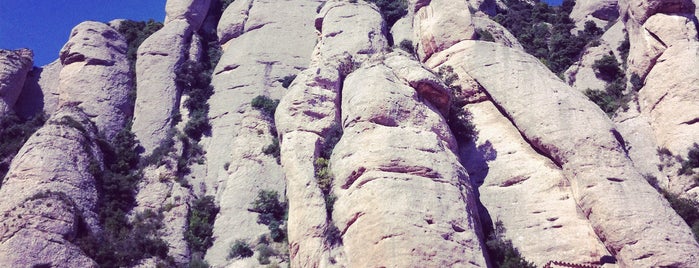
x=44, y=25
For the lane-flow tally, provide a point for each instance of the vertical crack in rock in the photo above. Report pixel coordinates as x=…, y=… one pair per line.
x=251, y=65
x=588, y=151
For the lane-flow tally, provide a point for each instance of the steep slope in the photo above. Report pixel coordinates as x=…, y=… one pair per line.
x=158, y=96
x=14, y=66
x=48, y=202
x=591, y=157
x=95, y=76
x=262, y=43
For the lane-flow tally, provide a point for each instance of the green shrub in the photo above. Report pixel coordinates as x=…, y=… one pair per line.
x=264, y=252
x=502, y=253
x=194, y=78
x=612, y=97
x=407, y=46
x=127, y=245
x=240, y=249
x=268, y=206
x=459, y=119
x=391, y=10
x=607, y=68
x=198, y=262
x=688, y=209
x=484, y=35
x=14, y=132
x=271, y=212
x=636, y=82
x=323, y=176
x=287, y=80
x=123, y=242
x=545, y=31
x=691, y=162
x=624, y=48
x=273, y=149
x=265, y=105
x=202, y=214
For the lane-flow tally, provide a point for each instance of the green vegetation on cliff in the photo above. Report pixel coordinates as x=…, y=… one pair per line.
x=14, y=132
x=544, y=31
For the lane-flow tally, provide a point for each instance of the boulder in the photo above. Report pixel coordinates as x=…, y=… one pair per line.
x=405, y=157
x=95, y=75
x=670, y=98
x=606, y=10
x=40, y=93
x=402, y=30
x=640, y=10
x=157, y=96
x=14, y=67
x=578, y=136
x=532, y=199
x=50, y=201
x=673, y=22
x=192, y=11
x=440, y=25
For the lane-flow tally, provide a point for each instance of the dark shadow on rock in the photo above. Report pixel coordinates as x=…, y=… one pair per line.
x=31, y=100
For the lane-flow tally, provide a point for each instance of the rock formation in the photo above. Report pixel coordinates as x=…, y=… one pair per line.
x=366, y=149
x=593, y=171
x=50, y=201
x=95, y=75
x=158, y=96
x=259, y=51
x=40, y=93
x=14, y=66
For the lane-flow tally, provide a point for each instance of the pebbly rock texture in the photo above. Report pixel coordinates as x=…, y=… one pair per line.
x=577, y=136
x=262, y=44
x=14, y=67
x=40, y=93
x=527, y=193
x=50, y=202
x=159, y=56
x=407, y=158
x=95, y=75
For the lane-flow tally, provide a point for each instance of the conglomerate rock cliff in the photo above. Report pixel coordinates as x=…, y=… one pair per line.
x=415, y=133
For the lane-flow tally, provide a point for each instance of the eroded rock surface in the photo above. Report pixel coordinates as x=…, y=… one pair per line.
x=577, y=135
x=95, y=75
x=406, y=157
x=262, y=43
x=14, y=66
x=527, y=193
x=158, y=96
x=40, y=93
x=48, y=201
